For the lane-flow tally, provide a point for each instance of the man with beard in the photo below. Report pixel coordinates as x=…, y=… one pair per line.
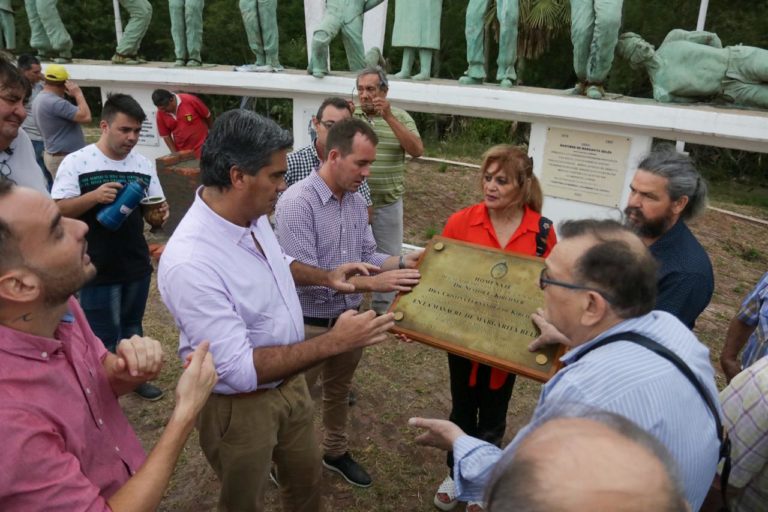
x=65, y=441
x=89, y=180
x=667, y=191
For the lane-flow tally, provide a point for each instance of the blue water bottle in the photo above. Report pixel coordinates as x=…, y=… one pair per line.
x=128, y=198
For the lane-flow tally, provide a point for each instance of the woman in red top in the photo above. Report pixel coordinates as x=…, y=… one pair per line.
x=510, y=218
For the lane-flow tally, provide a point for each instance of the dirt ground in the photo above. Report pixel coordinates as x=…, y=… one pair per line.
x=396, y=381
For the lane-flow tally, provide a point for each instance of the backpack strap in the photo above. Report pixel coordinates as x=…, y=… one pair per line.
x=661, y=350
x=541, y=237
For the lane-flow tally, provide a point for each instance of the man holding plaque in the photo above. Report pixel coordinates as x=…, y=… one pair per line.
x=667, y=191
x=599, y=283
x=323, y=221
x=224, y=277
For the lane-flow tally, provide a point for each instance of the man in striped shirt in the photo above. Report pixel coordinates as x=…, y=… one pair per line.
x=397, y=135
x=600, y=281
x=323, y=222
x=304, y=161
x=745, y=415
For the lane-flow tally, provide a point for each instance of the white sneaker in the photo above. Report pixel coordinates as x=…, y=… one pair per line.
x=447, y=488
x=475, y=506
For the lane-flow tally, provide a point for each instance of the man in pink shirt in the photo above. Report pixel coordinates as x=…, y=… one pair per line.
x=66, y=444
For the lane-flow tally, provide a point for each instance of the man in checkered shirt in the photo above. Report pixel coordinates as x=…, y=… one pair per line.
x=304, y=161
x=323, y=221
x=748, y=328
x=745, y=415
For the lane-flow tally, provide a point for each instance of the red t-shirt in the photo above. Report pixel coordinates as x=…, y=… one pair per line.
x=473, y=225
x=189, y=128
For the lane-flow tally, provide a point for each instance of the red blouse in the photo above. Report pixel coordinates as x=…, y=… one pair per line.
x=473, y=225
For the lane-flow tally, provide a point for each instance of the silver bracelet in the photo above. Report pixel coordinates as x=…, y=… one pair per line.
x=401, y=264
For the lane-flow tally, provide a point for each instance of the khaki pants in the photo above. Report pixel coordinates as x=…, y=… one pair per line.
x=241, y=435
x=52, y=162
x=337, y=373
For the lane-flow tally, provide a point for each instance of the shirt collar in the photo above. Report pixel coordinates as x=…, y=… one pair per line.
x=529, y=222
x=31, y=346
x=321, y=187
x=670, y=238
x=625, y=325
x=216, y=222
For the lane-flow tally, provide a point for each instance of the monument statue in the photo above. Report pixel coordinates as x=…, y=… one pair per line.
x=187, y=31
x=7, y=26
x=47, y=32
x=127, y=51
x=594, y=32
x=507, y=14
x=260, y=21
x=693, y=66
x=345, y=16
x=417, y=28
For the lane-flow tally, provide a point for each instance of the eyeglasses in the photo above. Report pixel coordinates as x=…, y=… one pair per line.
x=545, y=281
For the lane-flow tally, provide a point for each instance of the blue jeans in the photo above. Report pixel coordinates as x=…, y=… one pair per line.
x=115, y=311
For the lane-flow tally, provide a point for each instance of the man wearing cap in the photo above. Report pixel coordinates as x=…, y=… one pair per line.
x=183, y=120
x=48, y=35
x=88, y=180
x=17, y=157
x=59, y=120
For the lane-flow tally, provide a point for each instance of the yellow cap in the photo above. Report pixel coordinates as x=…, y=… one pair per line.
x=56, y=73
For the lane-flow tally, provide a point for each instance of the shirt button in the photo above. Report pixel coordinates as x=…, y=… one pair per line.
x=117, y=448
x=88, y=390
x=101, y=422
x=44, y=355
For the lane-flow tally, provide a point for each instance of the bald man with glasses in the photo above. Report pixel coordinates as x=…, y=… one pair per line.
x=599, y=291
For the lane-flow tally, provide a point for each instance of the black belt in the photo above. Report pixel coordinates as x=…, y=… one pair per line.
x=320, y=322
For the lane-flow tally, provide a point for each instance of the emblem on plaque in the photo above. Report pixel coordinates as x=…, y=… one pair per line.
x=499, y=270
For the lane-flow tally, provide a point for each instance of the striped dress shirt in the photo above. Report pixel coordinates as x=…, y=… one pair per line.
x=387, y=179
x=315, y=228
x=630, y=380
x=305, y=161
x=754, y=312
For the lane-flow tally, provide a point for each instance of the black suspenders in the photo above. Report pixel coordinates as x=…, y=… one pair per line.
x=661, y=350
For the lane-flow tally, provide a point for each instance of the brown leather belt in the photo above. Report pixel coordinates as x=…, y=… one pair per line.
x=257, y=391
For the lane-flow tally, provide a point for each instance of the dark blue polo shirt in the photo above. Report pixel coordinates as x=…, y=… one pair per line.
x=685, y=278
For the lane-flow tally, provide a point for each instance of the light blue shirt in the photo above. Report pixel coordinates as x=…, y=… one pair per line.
x=632, y=381
x=219, y=287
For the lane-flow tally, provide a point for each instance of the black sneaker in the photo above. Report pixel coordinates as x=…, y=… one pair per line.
x=351, y=398
x=273, y=475
x=349, y=469
x=149, y=392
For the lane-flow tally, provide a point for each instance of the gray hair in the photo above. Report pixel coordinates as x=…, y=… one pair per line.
x=374, y=70
x=513, y=480
x=682, y=178
x=242, y=138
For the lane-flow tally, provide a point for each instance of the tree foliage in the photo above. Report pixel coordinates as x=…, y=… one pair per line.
x=544, y=58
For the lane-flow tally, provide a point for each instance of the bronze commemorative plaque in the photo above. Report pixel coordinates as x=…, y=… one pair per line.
x=477, y=302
